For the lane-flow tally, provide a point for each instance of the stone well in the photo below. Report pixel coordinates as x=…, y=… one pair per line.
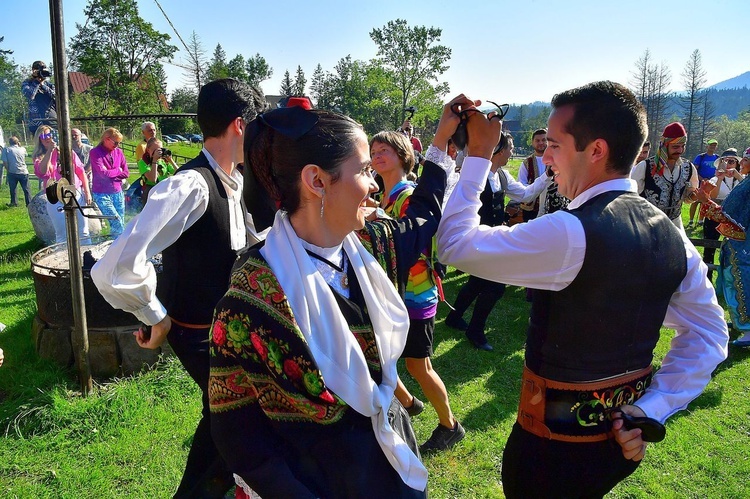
x=113, y=350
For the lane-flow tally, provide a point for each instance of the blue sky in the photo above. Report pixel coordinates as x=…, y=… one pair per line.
x=514, y=52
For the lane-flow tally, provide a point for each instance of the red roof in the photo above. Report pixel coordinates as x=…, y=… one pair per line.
x=80, y=82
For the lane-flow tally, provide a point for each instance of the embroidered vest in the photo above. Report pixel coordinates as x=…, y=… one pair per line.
x=553, y=200
x=607, y=321
x=665, y=194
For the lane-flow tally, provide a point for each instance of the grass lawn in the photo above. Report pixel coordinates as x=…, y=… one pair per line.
x=131, y=437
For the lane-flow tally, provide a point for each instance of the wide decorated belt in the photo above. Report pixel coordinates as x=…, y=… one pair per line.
x=576, y=412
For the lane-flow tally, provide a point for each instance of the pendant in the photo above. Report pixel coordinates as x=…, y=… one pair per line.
x=345, y=281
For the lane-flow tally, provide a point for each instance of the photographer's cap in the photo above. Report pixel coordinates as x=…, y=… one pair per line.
x=39, y=65
x=711, y=141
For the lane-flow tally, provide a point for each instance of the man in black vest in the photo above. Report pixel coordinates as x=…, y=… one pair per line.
x=197, y=220
x=607, y=272
x=492, y=213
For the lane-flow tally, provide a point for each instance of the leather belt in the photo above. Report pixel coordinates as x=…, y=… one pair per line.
x=576, y=412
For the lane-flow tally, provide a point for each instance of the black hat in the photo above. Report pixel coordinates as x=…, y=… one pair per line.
x=39, y=65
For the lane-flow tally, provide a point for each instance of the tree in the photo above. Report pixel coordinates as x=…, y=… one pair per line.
x=122, y=52
x=299, y=82
x=318, y=85
x=733, y=133
x=236, y=68
x=412, y=55
x=691, y=103
x=12, y=103
x=218, y=68
x=184, y=100
x=196, y=67
x=707, y=112
x=258, y=70
x=287, y=87
x=650, y=83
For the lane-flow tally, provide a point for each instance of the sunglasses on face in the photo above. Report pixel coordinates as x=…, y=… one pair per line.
x=45, y=136
x=114, y=141
x=730, y=161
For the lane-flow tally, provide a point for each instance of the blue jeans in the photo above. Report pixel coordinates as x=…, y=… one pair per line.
x=112, y=205
x=13, y=180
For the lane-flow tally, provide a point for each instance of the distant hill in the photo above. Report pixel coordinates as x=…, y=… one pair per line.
x=741, y=81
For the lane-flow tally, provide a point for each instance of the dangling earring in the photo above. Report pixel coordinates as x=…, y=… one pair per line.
x=322, y=203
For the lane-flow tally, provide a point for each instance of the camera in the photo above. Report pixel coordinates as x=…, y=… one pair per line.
x=44, y=73
x=165, y=152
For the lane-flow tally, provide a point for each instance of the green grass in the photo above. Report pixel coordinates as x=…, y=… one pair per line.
x=131, y=436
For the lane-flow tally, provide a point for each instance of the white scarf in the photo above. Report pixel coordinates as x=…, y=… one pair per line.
x=333, y=346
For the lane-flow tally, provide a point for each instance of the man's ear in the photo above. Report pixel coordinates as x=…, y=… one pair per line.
x=598, y=150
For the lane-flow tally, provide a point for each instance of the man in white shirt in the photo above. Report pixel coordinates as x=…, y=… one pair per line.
x=607, y=272
x=668, y=180
x=532, y=168
x=197, y=220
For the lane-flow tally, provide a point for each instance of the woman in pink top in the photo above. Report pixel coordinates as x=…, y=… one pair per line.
x=47, y=168
x=108, y=170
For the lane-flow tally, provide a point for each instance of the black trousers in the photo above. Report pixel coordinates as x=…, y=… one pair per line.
x=487, y=294
x=535, y=467
x=206, y=475
x=710, y=232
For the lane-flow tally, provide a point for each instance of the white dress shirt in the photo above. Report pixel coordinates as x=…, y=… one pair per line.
x=125, y=277
x=638, y=174
x=556, y=244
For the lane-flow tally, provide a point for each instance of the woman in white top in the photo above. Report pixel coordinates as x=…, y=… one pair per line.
x=727, y=177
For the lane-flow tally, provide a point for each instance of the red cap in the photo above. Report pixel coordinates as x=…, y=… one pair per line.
x=674, y=130
x=302, y=102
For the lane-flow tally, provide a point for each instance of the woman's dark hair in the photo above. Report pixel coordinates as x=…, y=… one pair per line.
x=277, y=148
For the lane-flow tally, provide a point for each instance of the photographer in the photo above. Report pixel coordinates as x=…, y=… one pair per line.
x=165, y=166
x=41, y=96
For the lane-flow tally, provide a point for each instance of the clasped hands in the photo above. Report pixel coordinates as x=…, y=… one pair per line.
x=483, y=130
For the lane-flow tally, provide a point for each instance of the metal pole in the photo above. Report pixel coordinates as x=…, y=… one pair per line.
x=80, y=338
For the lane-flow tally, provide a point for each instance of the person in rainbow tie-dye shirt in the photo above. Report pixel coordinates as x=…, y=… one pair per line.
x=393, y=158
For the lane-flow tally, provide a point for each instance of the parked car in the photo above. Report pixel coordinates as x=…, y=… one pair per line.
x=195, y=138
x=168, y=139
x=179, y=138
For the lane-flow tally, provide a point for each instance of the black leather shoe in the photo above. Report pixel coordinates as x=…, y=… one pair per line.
x=456, y=321
x=482, y=346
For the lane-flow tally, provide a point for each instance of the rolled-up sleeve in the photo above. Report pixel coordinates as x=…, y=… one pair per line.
x=124, y=276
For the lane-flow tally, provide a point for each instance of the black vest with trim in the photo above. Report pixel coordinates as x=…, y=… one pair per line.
x=607, y=321
x=197, y=266
x=492, y=210
x=666, y=195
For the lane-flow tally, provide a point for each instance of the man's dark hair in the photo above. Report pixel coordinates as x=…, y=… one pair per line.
x=609, y=111
x=222, y=101
x=646, y=144
x=538, y=131
x=503, y=142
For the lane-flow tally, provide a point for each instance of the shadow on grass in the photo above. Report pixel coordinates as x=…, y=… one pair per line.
x=22, y=250
x=27, y=382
